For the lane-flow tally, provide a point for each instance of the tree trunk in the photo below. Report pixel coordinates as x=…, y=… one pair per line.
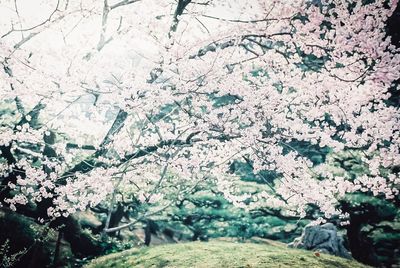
x=361, y=249
x=57, y=249
x=147, y=233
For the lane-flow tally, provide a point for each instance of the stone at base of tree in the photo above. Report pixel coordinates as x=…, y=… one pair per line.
x=322, y=238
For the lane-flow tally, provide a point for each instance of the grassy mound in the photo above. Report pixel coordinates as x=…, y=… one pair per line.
x=220, y=254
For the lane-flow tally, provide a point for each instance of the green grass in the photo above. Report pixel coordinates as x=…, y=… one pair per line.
x=220, y=254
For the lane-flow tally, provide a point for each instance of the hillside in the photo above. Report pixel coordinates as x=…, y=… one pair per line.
x=220, y=254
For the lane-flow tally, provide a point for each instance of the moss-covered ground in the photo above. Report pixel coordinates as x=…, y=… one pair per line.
x=221, y=254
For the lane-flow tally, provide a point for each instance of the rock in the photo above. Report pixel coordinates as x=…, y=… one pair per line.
x=88, y=219
x=322, y=238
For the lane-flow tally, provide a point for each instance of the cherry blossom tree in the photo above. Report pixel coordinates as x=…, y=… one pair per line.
x=153, y=97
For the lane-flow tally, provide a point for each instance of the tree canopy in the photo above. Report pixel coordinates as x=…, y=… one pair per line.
x=143, y=101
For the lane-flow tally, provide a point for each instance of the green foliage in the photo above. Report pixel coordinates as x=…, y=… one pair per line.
x=315, y=153
x=8, y=259
x=384, y=208
x=114, y=244
x=8, y=113
x=205, y=214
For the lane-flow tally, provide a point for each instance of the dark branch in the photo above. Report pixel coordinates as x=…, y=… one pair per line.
x=182, y=4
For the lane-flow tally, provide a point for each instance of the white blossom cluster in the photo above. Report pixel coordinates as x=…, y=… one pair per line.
x=220, y=82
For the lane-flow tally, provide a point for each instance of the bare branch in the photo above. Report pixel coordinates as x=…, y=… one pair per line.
x=102, y=42
x=36, y=26
x=123, y=3
x=180, y=8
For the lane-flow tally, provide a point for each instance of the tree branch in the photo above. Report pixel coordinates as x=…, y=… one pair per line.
x=36, y=26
